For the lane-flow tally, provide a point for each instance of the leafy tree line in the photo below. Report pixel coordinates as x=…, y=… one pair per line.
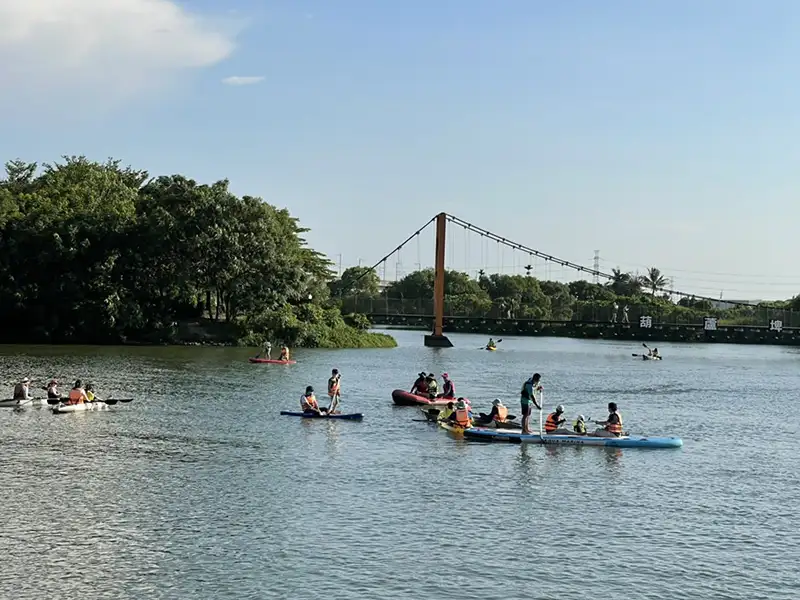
x=525, y=297
x=101, y=253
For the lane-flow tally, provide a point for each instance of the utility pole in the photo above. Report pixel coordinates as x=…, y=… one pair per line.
x=340, y=265
x=596, y=267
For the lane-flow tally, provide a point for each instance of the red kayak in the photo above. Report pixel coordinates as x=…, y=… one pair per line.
x=272, y=361
x=404, y=398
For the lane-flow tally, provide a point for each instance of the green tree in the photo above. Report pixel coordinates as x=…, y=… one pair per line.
x=356, y=281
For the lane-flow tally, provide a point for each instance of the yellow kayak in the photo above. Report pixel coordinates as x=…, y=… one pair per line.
x=491, y=348
x=452, y=427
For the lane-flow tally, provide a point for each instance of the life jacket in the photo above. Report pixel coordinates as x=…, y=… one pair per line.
x=421, y=386
x=333, y=387
x=449, y=389
x=502, y=413
x=19, y=392
x=462, y=417
x=579, y=427
x=615, y=428
x=433, y=387
x=551, y=424
x=76, y=396
x=52, y=392
x=308, y=402
x=90, y=396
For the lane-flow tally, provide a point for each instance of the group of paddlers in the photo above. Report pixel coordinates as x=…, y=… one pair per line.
x=308, y=401
x=427, y=386
x=79, y=393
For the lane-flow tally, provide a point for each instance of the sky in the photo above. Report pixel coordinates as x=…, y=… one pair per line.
x=663, y=133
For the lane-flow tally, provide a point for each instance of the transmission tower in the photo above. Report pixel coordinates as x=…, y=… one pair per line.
x=596, y=266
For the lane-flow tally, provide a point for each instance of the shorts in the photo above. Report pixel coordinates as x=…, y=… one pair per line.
x=526, y=408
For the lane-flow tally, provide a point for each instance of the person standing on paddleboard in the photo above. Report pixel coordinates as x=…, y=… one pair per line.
x=528, y=394
x=334, y=390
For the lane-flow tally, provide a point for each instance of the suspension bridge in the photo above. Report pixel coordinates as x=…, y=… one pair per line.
x=440, y=313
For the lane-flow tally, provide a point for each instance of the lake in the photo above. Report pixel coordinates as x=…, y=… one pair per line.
x=199, y=489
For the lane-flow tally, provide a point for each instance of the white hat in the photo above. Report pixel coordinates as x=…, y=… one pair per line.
x=25, y=380
x=581, y=418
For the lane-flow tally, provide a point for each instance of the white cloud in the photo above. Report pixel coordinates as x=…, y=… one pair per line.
x=110, y=48
x=237, y=80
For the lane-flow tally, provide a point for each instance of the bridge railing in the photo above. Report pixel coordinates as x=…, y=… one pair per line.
x=577, y=311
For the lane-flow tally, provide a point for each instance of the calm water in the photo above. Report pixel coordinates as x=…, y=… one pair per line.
x=198, y=489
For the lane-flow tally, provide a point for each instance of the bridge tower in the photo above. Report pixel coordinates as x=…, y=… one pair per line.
x=437, y=339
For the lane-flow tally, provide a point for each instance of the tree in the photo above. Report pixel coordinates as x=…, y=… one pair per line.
x=624, y=284
x=654, y=280
x=356, y=281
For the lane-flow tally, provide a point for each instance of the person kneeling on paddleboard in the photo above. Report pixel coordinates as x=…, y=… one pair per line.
x=528, y=395
x=579, y=426
x=284, y=353
x=612, y=427
x=308, y=402
x=498, y=413
x=554, y=421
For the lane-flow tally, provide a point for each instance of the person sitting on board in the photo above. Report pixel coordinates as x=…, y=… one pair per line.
x=491, y=344
x=52, y=389
x=447, y=412
x=433, y=386
x=498, y=413
x=308, y=402
x=77, y=395
x=461, y=416
x=420, y=387
x=334, y=390
x=528, y=395
x=90, y=395
x=579, y=426
x=22, y=389
x=284, y=353
x=612, y=427
x=554, y=421
x=448, y=387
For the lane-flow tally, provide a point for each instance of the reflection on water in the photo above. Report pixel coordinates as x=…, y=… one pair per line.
x=195, y=492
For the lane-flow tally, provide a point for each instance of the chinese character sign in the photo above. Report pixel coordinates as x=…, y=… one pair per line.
x=775, y=325
x=710, y=323
x=645, y=322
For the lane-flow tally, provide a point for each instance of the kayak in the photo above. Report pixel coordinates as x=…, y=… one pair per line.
x=645, y=357
x=33, y=402
x=404, y=398
x=350, y=417
x=271, y=361
x=452, y=427
x=516, y=436
x=491, y=348
x=67, y=408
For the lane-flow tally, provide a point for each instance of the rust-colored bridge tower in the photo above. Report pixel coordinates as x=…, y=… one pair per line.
x=437, y=339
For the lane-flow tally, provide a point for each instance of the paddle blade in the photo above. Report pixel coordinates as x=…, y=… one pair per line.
x=110, y=402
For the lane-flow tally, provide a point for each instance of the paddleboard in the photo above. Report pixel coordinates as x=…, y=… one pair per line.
x=516, y=436
x=350, y=417
x=271, y=361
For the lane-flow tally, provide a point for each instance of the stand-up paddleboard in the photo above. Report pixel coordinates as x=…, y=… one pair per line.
x=516, y=436
x=350, y=417
x=271, y=361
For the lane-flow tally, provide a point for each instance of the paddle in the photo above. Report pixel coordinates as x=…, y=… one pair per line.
x=484, y=347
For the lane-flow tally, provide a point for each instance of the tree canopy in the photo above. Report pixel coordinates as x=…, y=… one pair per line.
x=101, y=253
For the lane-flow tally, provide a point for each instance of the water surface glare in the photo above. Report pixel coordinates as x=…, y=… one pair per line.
x=199, y=489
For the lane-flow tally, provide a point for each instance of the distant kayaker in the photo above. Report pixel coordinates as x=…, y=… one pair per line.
x=77, y=394
x=528, y=394
x=52, y=389
x=308, y=402
x=334, y=390
x=491, y=343
x=461, y=416
x=554, y=421
x=579, y=426
x=433, y=385
x=284, y=353
x=22, y=389
x=498, y=413
x=448, y=387
x=420, y=387
x=612, y=427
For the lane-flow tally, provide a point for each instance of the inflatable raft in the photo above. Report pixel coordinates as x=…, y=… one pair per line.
x=271, y=361
x=404, y=398
x=517, y=437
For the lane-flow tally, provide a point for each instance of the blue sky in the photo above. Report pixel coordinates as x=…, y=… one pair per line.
x=663, y=133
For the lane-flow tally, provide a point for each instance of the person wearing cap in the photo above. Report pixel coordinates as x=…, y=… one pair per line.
x=334, y=390
x=433, y=386
x=77, y=395
x=52, y=389
x=554, y=421
x=579, y=426
x=499, y=413
x=461, y=416
x=528, y=394
x=21, y=390
x=420, y=387
x=308, y=402
x=448, y=387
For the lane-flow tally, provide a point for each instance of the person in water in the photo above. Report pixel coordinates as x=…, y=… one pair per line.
x=554, y=421
x=284, y=352
x=22, y=389
x=528, y=394
x=433, y=386
x=308, y=402
x=448, y=387
x=77, y=395
x=498, y=413
x=334, y=390
x=612, y=426
x=420, y=387
x=461, y=416
x=579, y=426
x=52, y=389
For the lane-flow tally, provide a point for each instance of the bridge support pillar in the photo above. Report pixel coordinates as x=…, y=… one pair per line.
x=437, y=339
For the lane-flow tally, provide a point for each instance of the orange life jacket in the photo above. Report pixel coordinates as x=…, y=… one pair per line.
x=551, y=424
x=462, y=417
x=308, y=402
x=333, y=387
x=76, y=396
x=502, y=413
x=615, y=428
